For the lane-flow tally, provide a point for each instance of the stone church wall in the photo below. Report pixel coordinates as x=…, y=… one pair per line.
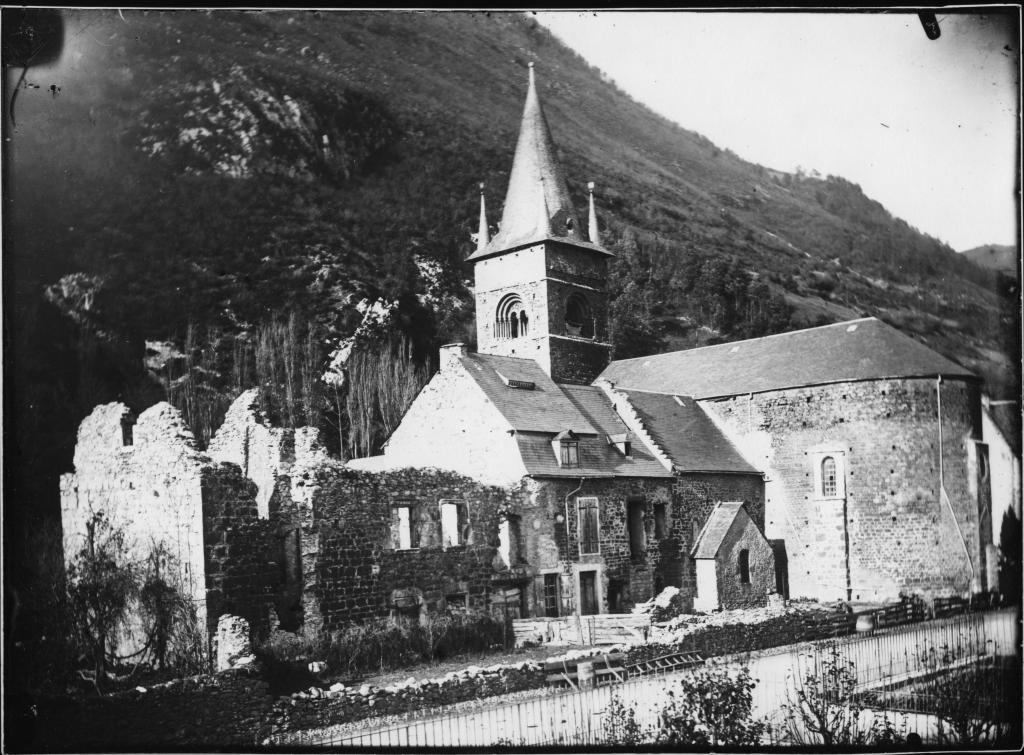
x=902, y=535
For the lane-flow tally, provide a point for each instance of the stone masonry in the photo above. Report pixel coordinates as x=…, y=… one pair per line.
x=902, y=534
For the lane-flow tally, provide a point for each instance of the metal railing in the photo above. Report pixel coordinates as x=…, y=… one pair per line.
x=883, y=662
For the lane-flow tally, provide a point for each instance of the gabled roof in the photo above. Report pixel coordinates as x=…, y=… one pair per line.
x=865, y=349
x=711, y=537
x=539, y=415
x=686, y=434
x=537, y=204
x=545, y=408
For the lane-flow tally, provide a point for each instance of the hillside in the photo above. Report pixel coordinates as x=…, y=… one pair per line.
x=218, y=169
x=1001, y=257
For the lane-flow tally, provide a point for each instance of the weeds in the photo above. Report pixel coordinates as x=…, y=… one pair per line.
x=384, y=644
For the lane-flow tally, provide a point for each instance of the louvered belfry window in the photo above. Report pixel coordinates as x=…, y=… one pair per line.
x=589, y=525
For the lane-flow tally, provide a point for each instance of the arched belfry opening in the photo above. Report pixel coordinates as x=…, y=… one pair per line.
x=511, y=319
x=540, y=282
x=579, y=316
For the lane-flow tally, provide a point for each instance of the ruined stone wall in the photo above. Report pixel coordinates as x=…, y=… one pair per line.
x=452, y=425
x=902, y=535
x=247, y=439
x=694, y=497
x=146, y=477
x=352, y=568
x=243, y=571
x=152, y=483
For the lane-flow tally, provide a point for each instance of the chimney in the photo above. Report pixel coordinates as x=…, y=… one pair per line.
x=450, y=354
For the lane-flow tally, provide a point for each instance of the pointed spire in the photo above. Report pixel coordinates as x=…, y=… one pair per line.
x=483, y=236
x=595, y=237
x=543, y=215
x=535, y=170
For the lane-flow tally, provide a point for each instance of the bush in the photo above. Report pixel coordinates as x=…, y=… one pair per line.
x=384, y=644
x=712, y=709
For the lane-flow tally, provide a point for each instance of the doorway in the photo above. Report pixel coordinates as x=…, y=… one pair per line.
x=588, y=593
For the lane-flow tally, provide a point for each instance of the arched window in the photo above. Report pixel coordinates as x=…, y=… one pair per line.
x=579, y=319
x=829, y=484
x=744, y=566
x=510, y=318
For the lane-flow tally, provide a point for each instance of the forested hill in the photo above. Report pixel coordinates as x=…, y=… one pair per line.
x=193, y=175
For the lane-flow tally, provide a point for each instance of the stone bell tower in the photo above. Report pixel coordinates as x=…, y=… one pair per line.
x=541, y=287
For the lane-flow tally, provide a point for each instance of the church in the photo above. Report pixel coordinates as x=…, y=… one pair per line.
x=838, y=463
x=535, y=477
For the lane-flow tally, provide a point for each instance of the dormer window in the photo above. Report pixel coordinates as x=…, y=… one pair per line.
x=622, y=444
x=567, y=449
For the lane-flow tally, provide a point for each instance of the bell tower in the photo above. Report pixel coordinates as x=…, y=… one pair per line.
x=541, y=287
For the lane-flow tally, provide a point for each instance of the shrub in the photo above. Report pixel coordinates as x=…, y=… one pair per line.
x=383, y=644
x=712, y=708
x=101, y=586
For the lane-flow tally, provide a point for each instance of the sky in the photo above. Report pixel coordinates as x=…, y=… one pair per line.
x=929, y=128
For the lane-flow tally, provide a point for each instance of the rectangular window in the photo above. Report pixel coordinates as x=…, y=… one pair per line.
x=510, y=540
x=570, y=454
x=404, y=529
x=453, y=523
x=551, y=600
x=589, y=525
x=660, y=522
x=635, y=526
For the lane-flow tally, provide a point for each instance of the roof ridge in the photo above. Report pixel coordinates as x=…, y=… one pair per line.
x=754, y=340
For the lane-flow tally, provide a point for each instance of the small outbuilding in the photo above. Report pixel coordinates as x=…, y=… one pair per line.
x=734, y=562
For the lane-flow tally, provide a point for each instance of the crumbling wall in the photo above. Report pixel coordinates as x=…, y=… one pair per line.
x=352, y=568
x=152, y=483
x=248, y=440
x=242, y=569
x=146, y=476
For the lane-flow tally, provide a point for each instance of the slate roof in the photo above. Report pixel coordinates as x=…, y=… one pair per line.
x=710, y=539
x=538, y=415
x=865, y=349
x=537, y=203
x=686, y=434
x=543, y=409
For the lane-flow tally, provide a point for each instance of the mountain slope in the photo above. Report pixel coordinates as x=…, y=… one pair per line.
x=1000, y=257
x=219, y=168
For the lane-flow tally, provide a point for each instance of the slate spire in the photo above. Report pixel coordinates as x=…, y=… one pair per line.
x=483, y=235
x=536, y=179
